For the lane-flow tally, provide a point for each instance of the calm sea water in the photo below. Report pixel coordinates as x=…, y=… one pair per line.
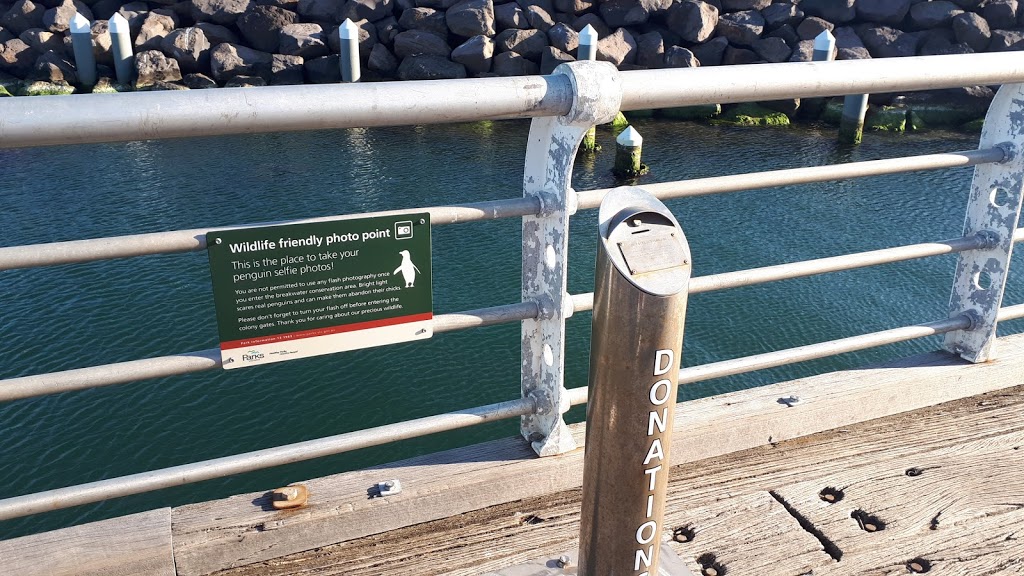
x=89, y=314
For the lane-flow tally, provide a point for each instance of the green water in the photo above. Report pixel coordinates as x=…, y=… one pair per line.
x=89, y=314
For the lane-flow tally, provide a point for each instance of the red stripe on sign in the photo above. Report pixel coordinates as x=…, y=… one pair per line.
x=259, y=340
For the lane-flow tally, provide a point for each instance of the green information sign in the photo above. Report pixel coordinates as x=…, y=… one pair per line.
x=300, y=290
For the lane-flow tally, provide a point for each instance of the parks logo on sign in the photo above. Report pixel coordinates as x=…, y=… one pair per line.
x=300, y=290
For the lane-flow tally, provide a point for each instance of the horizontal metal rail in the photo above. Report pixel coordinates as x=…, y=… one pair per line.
x=220, y=467
x=693, y=374
x=78, y=251
x=1014, y=312
x=646, y=89
x=190, y=362
x=90, y=118
x=194, y=240
x=240, y=463
x=153, y=115
x=807, y=175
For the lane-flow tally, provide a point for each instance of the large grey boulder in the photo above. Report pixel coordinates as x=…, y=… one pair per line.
x=58, y=19
x=387, y=29
x=6, y=35
x=382, y=60
x=220, y=11
x=323, y=70
x=539, y=18
x=42, y=41
x=1001, y=13
x=709, y=53
x=782, y=14
x=972, y=30
x=932, y=14
x=787, y=33
x=564, y=38
x=155, y=27
x=679, y=57
x=429, y=67
x=471, y=18
x=55, y=68
x=198, y=81
x=17, y=57
x=230, y=60
x=619, y=48
x=772, y=49
x=153, y=67
x=425, y=19
x=575, y=7
x=286, y=70
x=101, y=43
x=23, y=15
x=692, y=20
x=305, y=40
x=413, y=42
x=812, y=26
x=513, y=64
x=551, y=58
x=886, y=42
x=740, y=5
x=217, y=34
x=190, y=48
x=803, y=51
x=618, y=13
x=475, y=54
x=593, y=20
x=741, y=28
x=849, y=46
x=1006, y=40
x=890, y=12
x=509, y=15
x=734, y=56
x=527, y=43
x=371, y=10
x=835, y=11
x=262, y=26
x=650, y=50
x=320, y=11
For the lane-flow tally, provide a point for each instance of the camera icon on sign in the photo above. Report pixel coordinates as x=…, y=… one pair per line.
x=403, y=230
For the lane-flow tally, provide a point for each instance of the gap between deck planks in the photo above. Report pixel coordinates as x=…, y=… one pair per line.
x=234, y=532
x=732, y=505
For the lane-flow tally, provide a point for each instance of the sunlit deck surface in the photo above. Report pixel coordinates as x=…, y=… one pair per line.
x=911, y=466
x=938, y=490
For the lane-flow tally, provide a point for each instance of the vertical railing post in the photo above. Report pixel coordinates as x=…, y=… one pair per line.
x=348, y=36
x=550, y=152
x=640, y=292
x=81, y=45
x=992, y=213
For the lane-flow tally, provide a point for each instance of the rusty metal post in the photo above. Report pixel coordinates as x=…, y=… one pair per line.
x=643, y=269
x=547, y=177
x=992, y=214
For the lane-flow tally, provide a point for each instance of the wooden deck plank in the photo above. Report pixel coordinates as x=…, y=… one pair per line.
x=136, y=545
x=500, y=536
x=237, y=531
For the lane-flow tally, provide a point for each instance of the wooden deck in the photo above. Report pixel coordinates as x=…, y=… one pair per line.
x=920, y=456
x=940, y=489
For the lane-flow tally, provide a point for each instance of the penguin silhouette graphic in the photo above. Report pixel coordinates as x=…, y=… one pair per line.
x=408, y=269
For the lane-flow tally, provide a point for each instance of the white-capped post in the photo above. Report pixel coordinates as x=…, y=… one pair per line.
x=81, y=43
x=587, y=50
x=348, y=33
x=627, y=154
x=121, y=45
x=824, y=47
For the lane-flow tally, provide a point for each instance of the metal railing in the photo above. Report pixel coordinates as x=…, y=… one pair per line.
x=564, y=105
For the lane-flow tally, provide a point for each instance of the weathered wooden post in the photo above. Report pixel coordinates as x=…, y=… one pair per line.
x=348, y=33
x=628, y=147
x=587, y=50
x=640, y=292
x=121, y=46
x=81, y=43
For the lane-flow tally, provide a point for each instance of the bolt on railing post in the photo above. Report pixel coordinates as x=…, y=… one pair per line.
x=641, y=278
x=550, y=152
x=993, y=210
